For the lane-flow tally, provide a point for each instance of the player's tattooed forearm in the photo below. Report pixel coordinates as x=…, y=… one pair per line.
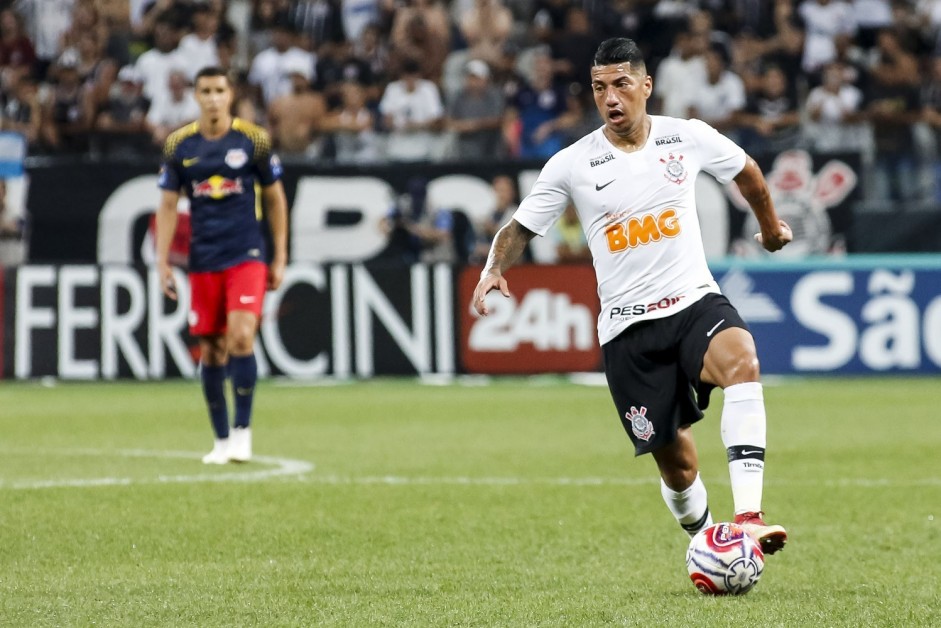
x=508, y=245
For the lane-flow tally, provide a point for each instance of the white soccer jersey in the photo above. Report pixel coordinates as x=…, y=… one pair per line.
x=638, y=212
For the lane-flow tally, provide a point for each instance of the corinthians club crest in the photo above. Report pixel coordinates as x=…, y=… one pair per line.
x=675, y=170
x=642, y=428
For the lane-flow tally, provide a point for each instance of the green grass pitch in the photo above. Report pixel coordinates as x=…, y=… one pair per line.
x=393, y=503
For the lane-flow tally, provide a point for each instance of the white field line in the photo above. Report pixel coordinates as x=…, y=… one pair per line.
x=275, y=467
x=301, y=471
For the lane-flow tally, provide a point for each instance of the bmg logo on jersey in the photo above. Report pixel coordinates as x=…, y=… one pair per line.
x=641, y=230
x=217, y=187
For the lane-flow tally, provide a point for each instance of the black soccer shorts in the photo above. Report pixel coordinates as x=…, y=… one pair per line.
x=653, y=369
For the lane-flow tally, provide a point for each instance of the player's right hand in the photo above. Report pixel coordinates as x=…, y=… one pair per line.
x=167, y=281
x=487, y=283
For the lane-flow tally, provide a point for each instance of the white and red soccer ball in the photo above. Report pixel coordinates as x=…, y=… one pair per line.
x=723, y=559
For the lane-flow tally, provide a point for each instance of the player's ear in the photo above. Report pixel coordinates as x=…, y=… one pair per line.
x=648, y=86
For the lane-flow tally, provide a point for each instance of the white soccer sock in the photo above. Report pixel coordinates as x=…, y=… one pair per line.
x=744, y=437
x=690, y=507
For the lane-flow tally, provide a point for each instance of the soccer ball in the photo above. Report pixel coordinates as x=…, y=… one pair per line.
x=723, y=559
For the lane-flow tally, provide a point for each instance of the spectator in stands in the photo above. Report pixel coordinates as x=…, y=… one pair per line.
x=892, y=109
x=317, y=22
x=436, y=23
x=407, y=240
x=413, y=115
x=834, y=112
x=475, y=115
x=373, y=50
x=336, y=65
x=571, y=246
x=548, y=20
x=175, y=107
x=573, y=49
x=295, y=119
x=96, y=71
x=541, y=112
x=356, y=15
x=871, y=17
x=155, y=65
x=269, y=72
x=722, y=98
x=66, y=114
x=823, y=20
x=17, y=55
x=85, y=20
x=486, y=26
x=245, y=105
x=506, y=201
x=199, y=46
x=45, y=21
x=22, y=112
x=680, y=76
x=779, y=42
x=417, y=41
x=120, y=123
x=353, y=127
x=770, y=120
x=930, y=100
x=265, y=13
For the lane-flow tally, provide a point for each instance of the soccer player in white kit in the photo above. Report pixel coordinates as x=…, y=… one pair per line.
x=668, y=335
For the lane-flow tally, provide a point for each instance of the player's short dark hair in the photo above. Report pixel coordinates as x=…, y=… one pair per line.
x=619, y=50
x=212, y=70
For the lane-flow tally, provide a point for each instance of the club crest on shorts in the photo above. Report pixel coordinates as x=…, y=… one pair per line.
x=642, y=428
x=675, y=171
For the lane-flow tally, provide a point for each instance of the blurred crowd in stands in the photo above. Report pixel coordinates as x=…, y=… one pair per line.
x=369, y=81
x=360, y=81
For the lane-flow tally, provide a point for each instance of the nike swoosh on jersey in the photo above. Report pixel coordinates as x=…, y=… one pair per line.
x=598, y=188
x=189, y=162
x=246, y=299
x=716, y=326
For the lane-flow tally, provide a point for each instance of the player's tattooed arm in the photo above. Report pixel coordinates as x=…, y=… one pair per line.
x=508, y=245
x=775, y=233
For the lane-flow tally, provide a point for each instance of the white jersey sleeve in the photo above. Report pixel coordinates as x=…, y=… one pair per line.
x=549, y=197
x=721, y=157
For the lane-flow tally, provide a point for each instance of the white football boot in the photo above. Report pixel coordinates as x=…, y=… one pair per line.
x=219, y=453
x=240, y=445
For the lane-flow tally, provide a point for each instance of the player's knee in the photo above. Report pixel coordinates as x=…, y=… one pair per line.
x=679, y=478
x=241, y=341
x=744, y=368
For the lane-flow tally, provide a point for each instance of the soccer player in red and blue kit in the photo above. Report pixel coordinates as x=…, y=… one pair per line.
x=226, y=167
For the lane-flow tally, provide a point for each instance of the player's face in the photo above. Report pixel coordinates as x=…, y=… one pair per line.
x=214, y=95
x=621, y=94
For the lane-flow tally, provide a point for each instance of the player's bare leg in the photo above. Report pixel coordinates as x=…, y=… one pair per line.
x=213, y=354
x=241, y=327
x=731, y=363
x=680, y=485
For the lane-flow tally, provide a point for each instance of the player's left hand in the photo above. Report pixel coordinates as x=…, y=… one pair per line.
x=775, y=239
x=275, y=274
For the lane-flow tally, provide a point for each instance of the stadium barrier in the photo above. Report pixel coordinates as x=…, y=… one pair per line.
x=874, y=314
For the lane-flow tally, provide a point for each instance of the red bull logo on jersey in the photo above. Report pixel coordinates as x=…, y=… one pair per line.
x=641, y=230
x=216, y=187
